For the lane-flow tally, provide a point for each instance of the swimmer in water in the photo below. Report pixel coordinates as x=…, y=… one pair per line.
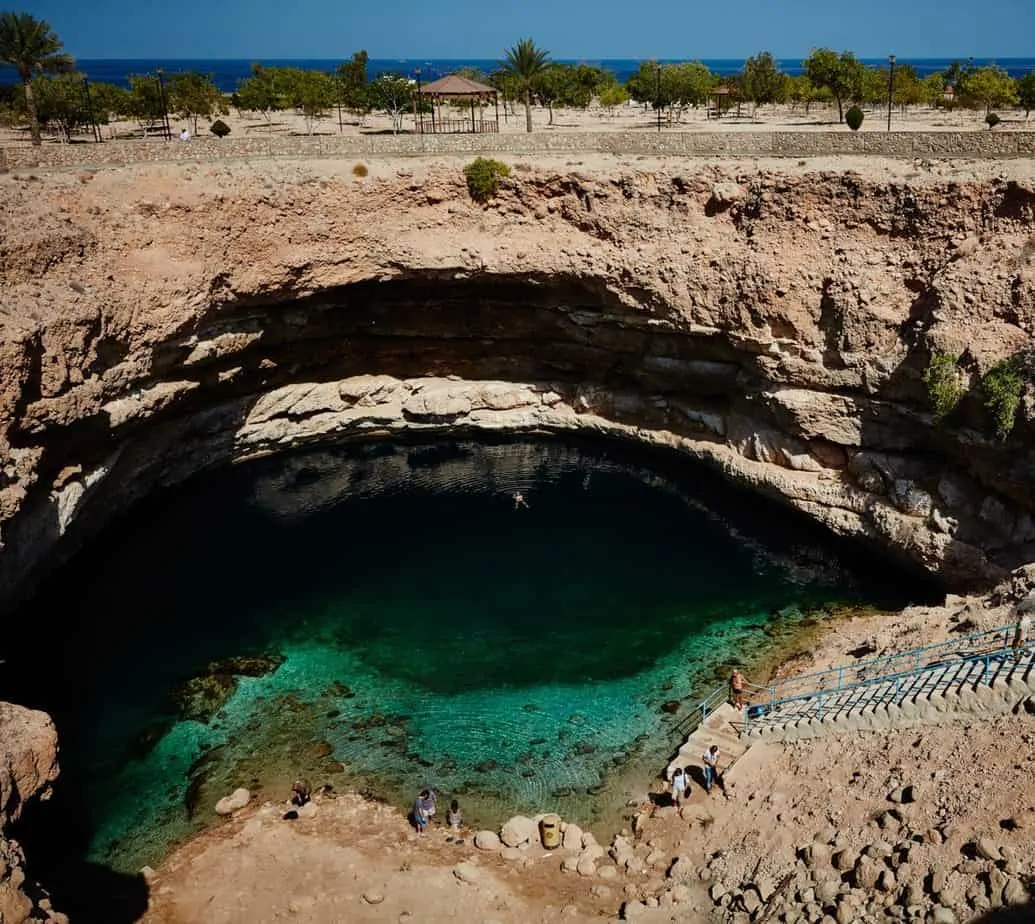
x=519, y=500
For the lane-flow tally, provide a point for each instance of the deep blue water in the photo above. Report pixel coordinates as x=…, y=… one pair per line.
x=229, y=72
x=430, y=633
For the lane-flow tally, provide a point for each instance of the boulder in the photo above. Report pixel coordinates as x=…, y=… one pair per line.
x=572, y=837
x=238, y=799
x=469, y=873
x=1014, y=893
x=517, y=831
x=632, y=911
x=487, y=840
x=986, y=849
x=587, y=866
x=942, y=915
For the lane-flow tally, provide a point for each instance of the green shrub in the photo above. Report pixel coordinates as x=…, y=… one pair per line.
x=1002, y=387
x=483, y=177
x=219, y=128
x=944, y=383
x=992, y=120
x=854, y=118
x=360, y=170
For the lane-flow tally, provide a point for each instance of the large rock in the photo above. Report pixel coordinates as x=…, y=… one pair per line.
x=28, y=765
x=572, y=837
x=487, y=840
x=238, y=799
x=517, y=831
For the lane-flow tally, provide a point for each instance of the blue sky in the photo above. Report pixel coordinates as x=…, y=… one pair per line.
x=566, y=28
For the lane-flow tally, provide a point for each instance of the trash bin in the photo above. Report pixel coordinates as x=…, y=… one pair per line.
x=550, y=830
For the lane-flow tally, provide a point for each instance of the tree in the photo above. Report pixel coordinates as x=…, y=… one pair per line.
x=932, y=90
x=314, y=92
x=842, y=74
x=31, y=47
x=990, y=87
x=394, y=94
x=193, y=96
x=263, y=92
x=146, y=102
x=61, y=102
x=762, y=81
x=1026, y=92
x=108, y=100
x=526, y=62
x=800, y=89
x=612, y=96
x=352, y=83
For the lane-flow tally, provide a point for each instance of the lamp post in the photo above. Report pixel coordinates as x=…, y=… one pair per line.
x=165, y=108
x=419, y=106
x=891, y=88
x=657, y=93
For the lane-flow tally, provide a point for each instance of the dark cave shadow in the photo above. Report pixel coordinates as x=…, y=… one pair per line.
x=54, y=836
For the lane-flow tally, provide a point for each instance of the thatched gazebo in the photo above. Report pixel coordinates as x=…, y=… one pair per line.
x=454, y=89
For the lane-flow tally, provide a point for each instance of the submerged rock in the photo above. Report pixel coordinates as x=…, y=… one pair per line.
x=201, y=697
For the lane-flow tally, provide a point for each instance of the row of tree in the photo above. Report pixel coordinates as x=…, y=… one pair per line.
x=54, y=94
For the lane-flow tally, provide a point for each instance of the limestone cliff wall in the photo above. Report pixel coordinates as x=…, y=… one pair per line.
x=158, y=320
x=28, y=765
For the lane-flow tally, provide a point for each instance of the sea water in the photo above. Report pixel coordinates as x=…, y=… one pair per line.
x=425, y=629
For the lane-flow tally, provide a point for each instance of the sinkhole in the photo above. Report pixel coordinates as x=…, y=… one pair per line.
x=385, y=617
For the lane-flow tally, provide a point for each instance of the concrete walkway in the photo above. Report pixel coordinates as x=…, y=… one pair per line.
x=718, y=728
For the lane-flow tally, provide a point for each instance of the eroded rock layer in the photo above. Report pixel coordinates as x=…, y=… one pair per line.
x=160, y=320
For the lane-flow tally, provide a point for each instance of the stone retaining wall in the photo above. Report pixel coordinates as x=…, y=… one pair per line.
x=981, y=144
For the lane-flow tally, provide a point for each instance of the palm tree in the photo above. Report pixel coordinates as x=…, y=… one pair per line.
x=30, y=46
x=526, y=62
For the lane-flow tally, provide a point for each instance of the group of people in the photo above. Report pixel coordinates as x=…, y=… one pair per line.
x=710, y=773
x=424, y=811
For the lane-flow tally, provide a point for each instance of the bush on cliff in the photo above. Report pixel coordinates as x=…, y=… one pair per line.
x=854, y=118
x=944, y=382
x=992, y=120
x=1003, y=388
x=483, y=177
x=219, y=128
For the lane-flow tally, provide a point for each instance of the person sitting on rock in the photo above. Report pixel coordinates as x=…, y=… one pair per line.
x=454, y=817
x=300, y=792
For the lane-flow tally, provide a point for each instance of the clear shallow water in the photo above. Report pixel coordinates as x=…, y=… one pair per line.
x=431, y=633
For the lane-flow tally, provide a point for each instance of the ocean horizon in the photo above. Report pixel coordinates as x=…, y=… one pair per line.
x=227, y=73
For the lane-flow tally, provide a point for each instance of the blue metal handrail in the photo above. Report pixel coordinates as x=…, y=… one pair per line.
x=833, y=679
x=924, y=667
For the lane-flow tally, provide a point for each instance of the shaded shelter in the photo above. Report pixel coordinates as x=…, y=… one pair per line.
x=455, y=89
x=718, y=100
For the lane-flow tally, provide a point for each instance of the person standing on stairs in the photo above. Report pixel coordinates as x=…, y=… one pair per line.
x=737, y=689
x=1025, y=611
x=710, y=764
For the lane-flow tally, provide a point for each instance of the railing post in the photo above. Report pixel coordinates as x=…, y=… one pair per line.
x=840, y=676
x=988, y=668
x=820, y=710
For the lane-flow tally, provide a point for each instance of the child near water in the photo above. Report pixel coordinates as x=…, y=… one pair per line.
x=454, y=817
x=680, y=786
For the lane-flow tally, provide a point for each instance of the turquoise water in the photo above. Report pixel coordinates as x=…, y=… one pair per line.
x=427, y=631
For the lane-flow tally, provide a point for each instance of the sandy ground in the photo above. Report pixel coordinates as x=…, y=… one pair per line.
x=624, y=118
x=358, y=861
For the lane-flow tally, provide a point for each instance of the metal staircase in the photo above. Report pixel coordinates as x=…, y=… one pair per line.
x=986, y=673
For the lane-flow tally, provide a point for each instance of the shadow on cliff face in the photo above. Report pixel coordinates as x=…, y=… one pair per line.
x=54, y=836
